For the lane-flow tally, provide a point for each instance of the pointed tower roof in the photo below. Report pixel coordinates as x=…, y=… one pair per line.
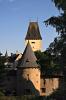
x=33, y=32
x=6, y=54
x=28, y=59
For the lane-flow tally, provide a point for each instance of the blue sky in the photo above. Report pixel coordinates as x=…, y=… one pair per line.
x=15, y=16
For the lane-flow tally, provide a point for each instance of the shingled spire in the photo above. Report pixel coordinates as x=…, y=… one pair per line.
x=33, y=32
x=34, y=36
x=28, y=58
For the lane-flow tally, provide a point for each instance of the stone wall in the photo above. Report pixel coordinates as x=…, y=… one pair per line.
x=49, y=85
x=35, y=44
x=28, y=81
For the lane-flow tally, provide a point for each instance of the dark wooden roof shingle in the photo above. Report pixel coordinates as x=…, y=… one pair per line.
x=33, y=32
x=28, y=59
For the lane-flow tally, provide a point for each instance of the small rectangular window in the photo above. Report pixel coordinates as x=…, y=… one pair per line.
x=33, y=42
x=44, y=81
x=27, y=60
x=43, y=89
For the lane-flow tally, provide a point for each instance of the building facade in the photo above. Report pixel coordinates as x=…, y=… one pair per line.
x=29, y=73
x=25, y=78
x=33, y=36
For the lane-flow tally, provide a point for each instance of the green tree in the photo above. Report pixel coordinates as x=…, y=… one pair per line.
x=2, y=73
x=59, y=44
x=44, y=59
x=59, y=22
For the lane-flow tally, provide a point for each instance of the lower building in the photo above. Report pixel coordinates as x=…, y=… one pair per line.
x=27, y=79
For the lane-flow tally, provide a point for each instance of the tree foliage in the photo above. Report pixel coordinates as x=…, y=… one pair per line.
x=58, y=22
x=58, y=46
x=46, y=62
x=60, y=4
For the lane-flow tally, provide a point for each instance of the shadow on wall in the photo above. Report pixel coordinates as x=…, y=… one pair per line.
x=25, y=87
x=16, y=85
x=7, y=84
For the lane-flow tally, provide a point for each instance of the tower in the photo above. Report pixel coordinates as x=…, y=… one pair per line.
x=6, y=54
x=28, y=75
x=6, y=58
x=34, y=36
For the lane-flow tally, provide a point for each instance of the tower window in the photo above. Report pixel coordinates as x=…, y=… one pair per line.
x=44, y=82
x=33, y=42
x=43, y=89
x=27, y=60
x=27, y=76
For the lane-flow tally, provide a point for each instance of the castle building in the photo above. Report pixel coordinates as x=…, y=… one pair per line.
x=28, y=79
x=28, y=74
x=34, y=36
